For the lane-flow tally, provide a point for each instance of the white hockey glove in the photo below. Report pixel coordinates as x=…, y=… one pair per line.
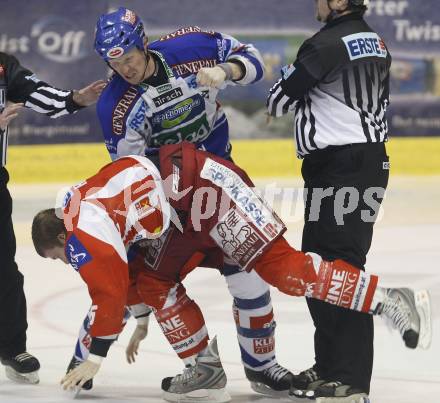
x=82, y=373
x=138, y=335
x=212, y=77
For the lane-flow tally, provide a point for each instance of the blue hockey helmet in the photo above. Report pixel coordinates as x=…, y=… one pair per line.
x=117, y=33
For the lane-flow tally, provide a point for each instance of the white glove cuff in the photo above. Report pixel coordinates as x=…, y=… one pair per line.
x=143, y=321
x=226, y=67
x=96, y=359
x=139, y=310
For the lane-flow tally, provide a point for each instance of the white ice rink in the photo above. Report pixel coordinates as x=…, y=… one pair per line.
x=405, y=251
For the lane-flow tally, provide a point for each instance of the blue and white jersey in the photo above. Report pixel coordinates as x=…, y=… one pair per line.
x=135, y=118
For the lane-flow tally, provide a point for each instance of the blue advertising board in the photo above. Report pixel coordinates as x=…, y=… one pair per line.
x=54, y=38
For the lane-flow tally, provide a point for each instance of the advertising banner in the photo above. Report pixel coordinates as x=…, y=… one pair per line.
x=55, y=40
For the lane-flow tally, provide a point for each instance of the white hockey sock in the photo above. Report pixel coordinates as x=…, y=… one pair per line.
x=254, y=319
x=192, y=360
x=378, y=300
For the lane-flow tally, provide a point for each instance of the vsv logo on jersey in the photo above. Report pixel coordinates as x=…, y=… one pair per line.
x=77, y=254
x=365, y=44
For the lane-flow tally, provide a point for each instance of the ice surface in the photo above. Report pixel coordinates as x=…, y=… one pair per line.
x=405, y=251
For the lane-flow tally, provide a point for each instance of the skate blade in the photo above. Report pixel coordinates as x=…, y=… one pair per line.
x=302, y=396
x=423, y=306
x=358, y=398
x=31, y=378
x=200, y=395
x=267, y=391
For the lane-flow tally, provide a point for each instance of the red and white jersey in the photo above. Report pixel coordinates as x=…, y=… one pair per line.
x=122, y=204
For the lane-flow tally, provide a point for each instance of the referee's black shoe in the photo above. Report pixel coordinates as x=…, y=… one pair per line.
x=22, y=368
x=304, y=384
x=341, y=392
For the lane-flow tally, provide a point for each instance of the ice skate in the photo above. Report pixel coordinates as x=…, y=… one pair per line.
x=304, y=384
x=23, y=368
x=203, y=382
x=410, y=313
x=274, y=381
x=337, y=392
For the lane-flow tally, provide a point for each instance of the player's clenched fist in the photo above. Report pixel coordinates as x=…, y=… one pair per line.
x=212, y=77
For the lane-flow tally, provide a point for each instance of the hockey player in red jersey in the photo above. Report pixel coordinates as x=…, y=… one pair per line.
x=137, y=114
x=204, y=211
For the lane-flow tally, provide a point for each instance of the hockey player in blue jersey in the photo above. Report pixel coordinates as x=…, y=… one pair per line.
x=165, y=92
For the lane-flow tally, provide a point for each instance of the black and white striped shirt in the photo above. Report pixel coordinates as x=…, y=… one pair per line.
x=18, y=84
x=338, y=87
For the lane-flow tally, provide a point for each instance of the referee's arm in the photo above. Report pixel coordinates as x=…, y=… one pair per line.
x=24, y=87
x=51, y=101
x=296, y=80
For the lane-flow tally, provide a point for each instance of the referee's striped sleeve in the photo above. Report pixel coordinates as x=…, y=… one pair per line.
x=51, y=101
x=278, y=103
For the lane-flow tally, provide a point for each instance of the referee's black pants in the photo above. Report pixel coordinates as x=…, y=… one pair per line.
x=13, y=322
x=343, y=338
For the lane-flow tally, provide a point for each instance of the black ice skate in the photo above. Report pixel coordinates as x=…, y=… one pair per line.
x=74, y=362
x=274, y=381
x=23, y=368
x=304, y=384
x=337, y=392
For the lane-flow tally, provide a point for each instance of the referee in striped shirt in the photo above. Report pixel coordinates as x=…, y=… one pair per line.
x=20, y=86
x=338, y=91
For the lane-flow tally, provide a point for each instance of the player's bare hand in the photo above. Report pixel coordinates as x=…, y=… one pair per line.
x=89, y=95
x=80, y=375
x=212, y=77
x=9, y=113
x=138, y=335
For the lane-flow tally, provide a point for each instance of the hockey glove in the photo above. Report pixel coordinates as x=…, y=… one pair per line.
x=82, y=373
x=75, y=362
